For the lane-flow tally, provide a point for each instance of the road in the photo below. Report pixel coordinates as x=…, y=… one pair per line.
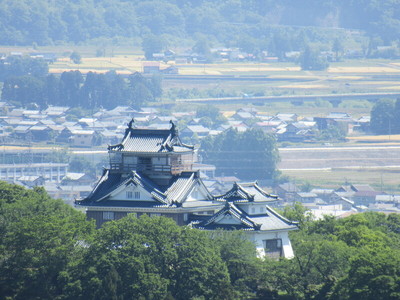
x=337, y=98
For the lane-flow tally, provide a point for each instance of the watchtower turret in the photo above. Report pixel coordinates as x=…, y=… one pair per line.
x=157, y=153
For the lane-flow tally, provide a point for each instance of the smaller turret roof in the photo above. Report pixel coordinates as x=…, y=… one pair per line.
x=232, y=217
x=246, y=192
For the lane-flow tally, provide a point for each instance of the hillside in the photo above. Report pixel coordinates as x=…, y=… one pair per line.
x=256, y=23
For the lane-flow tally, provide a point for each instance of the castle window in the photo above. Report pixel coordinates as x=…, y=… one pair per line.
x=273, y=248
x=137, y=195
x=129, y=195
x=108, y=215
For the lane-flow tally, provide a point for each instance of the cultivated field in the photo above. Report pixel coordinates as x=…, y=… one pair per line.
x=378, y=165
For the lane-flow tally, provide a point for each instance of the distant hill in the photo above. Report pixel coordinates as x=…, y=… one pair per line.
x=229, y=22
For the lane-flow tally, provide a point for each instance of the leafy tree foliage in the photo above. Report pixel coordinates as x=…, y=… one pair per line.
x=339, y=259
x=15, y=66
x=384, y=117
x=152, y=44
x=239, y=255
x=48, y=250
x=338, y=48
x=149, y=258
x=230, y=22
x=76, y=57
x=311, y=59
x=253, y=152
x=24, y=89
x=38, y=239
x=210, y=112
x=332, y=133
x=297, y=212
x=73, y=89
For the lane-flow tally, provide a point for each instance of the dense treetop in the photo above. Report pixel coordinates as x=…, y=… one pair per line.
x=49, y=251
x=385, y=117
x=230, y=21
x=248, y=155
x=26, y=81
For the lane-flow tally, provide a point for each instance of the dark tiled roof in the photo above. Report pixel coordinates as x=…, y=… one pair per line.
x=274, y=221
x=121, y=203
x=111, y=181
x=182, y=185
x=151, y=140
x=175, y=194
x=246, y=192
x=245, y=223
x=268, y=221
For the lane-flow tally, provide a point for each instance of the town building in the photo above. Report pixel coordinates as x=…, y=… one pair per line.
x=152, y=172
x=52, y=172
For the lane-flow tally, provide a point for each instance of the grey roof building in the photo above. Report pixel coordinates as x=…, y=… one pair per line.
x=151, y=172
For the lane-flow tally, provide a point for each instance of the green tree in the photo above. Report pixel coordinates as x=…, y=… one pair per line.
x=23, y=90
x=332, y=133
x=297, y=212
x=80, y=164
x=152, y=44
x=212, y=113
x=382, y=117
x=239, y=255
x=374, y=274
x=76, y=57
x=396, y=119
x=339, y=259
x=15, y=66
x=39, y=237
x=311, y=59
x=207, y=111
x=202, y=47
x=148, y=258
x=143, y=90
x=338, y=48
x=255, y=154
x=69, y=87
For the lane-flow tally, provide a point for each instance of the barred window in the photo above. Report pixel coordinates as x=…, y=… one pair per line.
x=108, y=215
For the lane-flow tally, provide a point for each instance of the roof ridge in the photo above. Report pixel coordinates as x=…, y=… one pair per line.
x=278, y=215
x=235, y=212
x=185, y=187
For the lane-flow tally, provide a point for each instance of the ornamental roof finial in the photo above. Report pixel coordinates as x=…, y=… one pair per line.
x=173, y=128
x=130, y=124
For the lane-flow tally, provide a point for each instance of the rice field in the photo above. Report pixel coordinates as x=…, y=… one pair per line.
x=381, y=179
x=393, y=138
x=354, y=76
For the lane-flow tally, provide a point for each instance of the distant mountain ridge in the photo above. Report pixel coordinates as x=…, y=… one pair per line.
x=46, y=22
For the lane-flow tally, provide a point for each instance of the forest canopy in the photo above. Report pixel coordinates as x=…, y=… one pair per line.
x=246, y=155
x=48, y=250
x=47, y=22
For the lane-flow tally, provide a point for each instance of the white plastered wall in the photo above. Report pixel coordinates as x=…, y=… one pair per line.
x=259, y=236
